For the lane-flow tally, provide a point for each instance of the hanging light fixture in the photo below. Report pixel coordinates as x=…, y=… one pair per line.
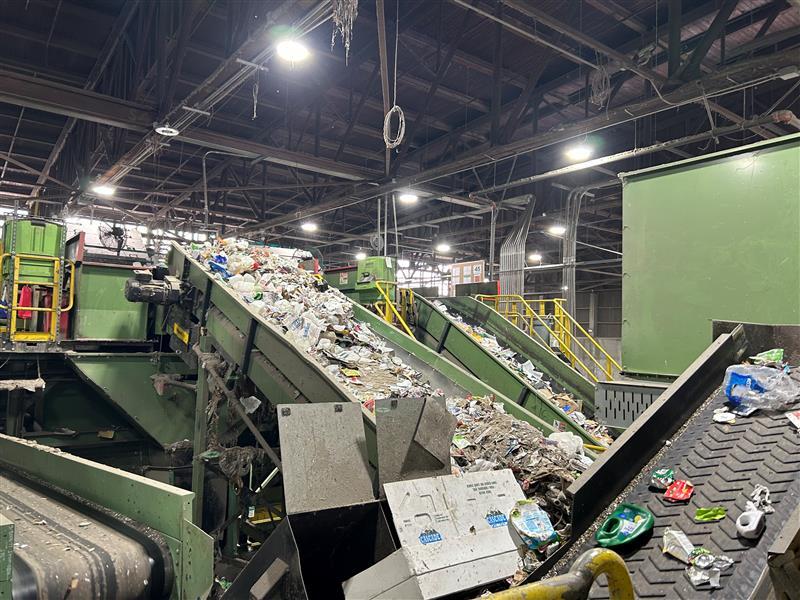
x=103, y=189
x=292, y=51
x=166, y=130
x=408, y=198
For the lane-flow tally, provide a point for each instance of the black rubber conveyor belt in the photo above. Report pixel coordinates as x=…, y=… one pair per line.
x=63, y=551
x=724, y=462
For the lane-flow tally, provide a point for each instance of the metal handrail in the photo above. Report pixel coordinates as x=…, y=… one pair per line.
x=528, y=318
x=575, y=584
x=390, y=305
x=560, y=303
x=563, y=333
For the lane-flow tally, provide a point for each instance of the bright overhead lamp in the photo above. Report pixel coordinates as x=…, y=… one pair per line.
x=408, y=198
x=403, y=263
x=557, y=230
x=564, y=288
x=292, y=51
x=103, y=189
x=578, y=153
x=535, y=257
x=361, y=255
x=309, y=226
x=166, y=130
x=443, y=247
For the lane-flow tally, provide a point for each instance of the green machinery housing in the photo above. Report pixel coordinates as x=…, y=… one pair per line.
x=360, y=282
x=714, y=237
x=35, y=278
x=78, y=374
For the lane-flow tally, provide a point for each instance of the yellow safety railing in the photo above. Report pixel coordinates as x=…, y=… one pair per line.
x=524, y=314
x=387, y=309
x=55, y=309
x=578, y=581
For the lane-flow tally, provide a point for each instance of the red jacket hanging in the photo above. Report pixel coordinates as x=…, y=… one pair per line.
x=25, y=299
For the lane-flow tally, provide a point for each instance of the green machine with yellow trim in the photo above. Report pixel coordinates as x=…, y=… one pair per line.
x=37, y=282
x=364, y=281
x=82, y=371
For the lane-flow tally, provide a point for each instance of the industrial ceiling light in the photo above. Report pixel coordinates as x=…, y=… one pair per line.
x=578, y=153
x=103, y=189
x=166, y=130
x=361, y=255
x=403, y=263
x=557, y=230
x=564, y=288
x=535, y=257
x=292, y=51
x=408, y=198
x=443, y=247
x=309, y=226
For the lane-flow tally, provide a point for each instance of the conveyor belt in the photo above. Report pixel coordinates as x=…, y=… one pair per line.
x=724, y=462
x=285, y=373
x=440, y=331
x=67, y=548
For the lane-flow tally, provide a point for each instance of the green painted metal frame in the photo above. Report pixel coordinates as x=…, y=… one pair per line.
x=101, y=310
x=165, y=508
x=285, y=374
x=713, y=237
x=124, y=379
x=441, y=333
x=546, y=361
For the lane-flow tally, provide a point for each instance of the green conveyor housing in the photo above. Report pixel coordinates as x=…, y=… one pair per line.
x=440, y=332
x=285, y=374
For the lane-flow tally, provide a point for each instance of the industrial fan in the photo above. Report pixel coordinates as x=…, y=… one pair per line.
x=112, y=237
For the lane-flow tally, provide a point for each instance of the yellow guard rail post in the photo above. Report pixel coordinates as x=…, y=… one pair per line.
x=575, y=584
x=509, y=305
x=388, y=309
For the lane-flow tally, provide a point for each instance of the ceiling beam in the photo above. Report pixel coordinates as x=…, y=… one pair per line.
x=114, y=37
x=718, y=82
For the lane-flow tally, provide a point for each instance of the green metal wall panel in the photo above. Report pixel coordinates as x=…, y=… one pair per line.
x=710, y=238
x=101, y=310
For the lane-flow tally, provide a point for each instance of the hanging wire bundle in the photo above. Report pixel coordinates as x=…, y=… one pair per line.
x=599, y=84
x=394, y=141
x=344, y=18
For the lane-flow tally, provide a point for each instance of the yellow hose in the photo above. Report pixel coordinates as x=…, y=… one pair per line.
x=576, y=584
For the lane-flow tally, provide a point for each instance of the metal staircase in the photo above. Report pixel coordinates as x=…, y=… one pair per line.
x=548, y=320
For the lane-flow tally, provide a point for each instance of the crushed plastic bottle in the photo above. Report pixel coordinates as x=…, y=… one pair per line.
x=761, y=387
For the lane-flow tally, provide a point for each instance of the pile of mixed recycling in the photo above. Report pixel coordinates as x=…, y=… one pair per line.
x=320, y=321
x=528, y=372
x=316, y=318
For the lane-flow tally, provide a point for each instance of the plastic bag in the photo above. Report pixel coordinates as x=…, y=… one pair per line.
x=532, y=525
x=760, y=387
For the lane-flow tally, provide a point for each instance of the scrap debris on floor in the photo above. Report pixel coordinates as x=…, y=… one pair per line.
x=488, y=438
x=528, y=372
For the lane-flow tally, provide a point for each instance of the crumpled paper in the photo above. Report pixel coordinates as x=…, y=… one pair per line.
x=314, y=317
x=486, y=438
x=527, y=371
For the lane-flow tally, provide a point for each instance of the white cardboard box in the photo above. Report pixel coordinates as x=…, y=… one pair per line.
x=454, y=536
